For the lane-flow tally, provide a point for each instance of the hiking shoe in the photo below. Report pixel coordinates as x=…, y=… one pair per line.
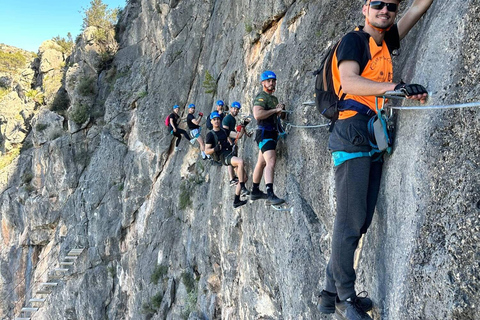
x=234, y=182
x=192, y=141
x=239, y=203
x=326, y=303
x=274, y=200
x=255, y=195
x=177, y=149
x=204, y=155
x=351, y=309
x=244, y=192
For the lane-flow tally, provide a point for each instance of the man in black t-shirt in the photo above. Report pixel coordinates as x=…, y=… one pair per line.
x=229, y=124
x=361, y=70
x=174, y=129
x=195, y=129
x=219, y=146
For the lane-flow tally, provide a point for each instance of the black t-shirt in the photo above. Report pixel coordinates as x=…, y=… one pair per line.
x=175, y=117
x=352, y=47
x=221, y=137
x=230, y=122
x=190, y=124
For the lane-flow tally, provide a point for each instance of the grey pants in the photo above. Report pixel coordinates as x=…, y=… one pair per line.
x=357, y=183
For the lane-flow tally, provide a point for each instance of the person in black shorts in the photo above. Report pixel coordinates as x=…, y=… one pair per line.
x=173, y=127
x=195, y=129
x=266, y=111
x=219, y=146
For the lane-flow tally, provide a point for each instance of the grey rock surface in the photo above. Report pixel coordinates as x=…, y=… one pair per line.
x=114, y=186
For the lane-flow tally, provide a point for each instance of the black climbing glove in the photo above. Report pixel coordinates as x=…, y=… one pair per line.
x=410, y=89
x=217, y=148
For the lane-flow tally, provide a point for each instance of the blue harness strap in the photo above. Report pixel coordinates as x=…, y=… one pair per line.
x=340, y=157
x=350, y=104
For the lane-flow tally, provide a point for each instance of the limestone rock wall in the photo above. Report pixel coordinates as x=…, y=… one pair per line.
x=162, y=240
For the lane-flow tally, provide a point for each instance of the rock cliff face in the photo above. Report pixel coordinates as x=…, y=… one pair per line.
x=161, y=238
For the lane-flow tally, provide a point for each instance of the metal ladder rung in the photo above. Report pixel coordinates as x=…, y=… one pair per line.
x=75, y=252
x=28, y=309
x=49, y=284
x=66, y=263
x=60, y=270
x=42, y=292
x=22, y=318
x=36, y=300
x=71, y=258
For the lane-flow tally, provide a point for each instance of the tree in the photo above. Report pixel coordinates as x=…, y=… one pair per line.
x=98, y=15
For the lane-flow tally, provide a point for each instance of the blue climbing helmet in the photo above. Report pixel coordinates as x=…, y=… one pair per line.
x=268, y=75
x=236, y=104
x=191, y=105
x=220, y=103
x=175, y=107
x=214, y=115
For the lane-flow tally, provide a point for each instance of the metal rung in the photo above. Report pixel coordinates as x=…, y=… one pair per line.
x=66, y=263
x=309, y=103
x=22, y=318
x=71, y=258
x=36, y=300
x=28, y=309
x=75, y=252
x=60, y=270
x=42, y=292
x=49, y=284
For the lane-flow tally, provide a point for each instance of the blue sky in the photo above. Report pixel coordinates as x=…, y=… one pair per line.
x=27, y=23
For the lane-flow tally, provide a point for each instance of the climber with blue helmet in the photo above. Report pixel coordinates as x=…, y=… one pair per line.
x=220, y=147
x=195, y=128
x=266, y=111
x=174, y=129
x=235, y=132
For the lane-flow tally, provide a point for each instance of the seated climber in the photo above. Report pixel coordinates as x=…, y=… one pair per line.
x=195, y=128
x=229, y=123
x=219, y=146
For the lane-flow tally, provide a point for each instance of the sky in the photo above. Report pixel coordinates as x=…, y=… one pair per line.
x=26, y=24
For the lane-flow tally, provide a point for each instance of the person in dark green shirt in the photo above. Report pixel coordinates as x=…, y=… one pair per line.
x=266, y=111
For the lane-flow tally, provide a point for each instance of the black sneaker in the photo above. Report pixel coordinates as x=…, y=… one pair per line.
x=255, y=195
x=326, y=303
x=234, y=182
x=350, y=309
x=244, y=192
x=239, y=203
x=274, y=200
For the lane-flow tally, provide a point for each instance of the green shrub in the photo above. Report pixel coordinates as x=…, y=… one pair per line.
x=65, y=43
x=209, y=84
x=98, y=15
x=3, y=92
x=10, y=62
x=142, y=94
x=27, y=177
x=8, y=157
x=79, y=113
x=156, y=300
x=184, y=200
x=147, y=308
x=188, y=281
x=248, y=27
x=159, y=272
x=41, y=126
x=57, y=133
x=61, y=102
x=86, y=86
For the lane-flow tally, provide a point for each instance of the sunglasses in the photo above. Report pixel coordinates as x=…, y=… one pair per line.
x=378, y=5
